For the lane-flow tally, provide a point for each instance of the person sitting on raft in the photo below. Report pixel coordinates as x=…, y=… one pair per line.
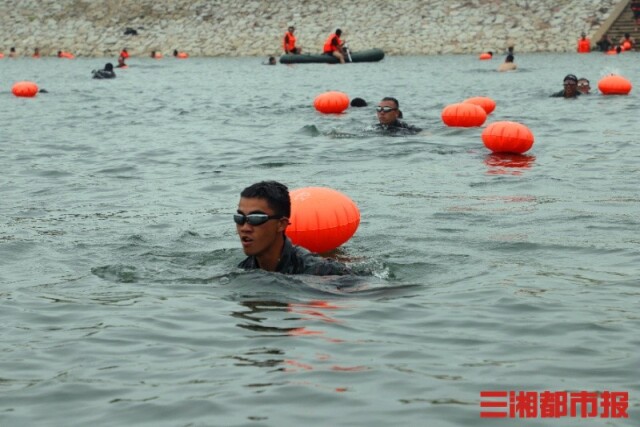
x=289, y=42
x=106, y=73
x=334, y=46
x=570, y=90
x=261, y=221
x=389, y=115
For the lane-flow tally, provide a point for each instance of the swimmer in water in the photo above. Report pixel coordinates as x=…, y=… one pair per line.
x=121, y=63
x=584, y=86
x=389, y=115
x=508, y=64
x=261, y=220
x=106, y=73
x=570, y=90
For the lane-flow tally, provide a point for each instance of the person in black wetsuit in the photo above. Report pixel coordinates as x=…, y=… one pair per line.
x=389, y=115
x=261, y=220
x=570, y=90
x=106, y=73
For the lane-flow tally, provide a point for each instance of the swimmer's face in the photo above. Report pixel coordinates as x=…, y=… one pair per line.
x=263, y=239
x=570, y=87
x=386, y=118
x=583, y=86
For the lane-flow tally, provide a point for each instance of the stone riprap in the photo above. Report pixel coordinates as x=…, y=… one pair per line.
x=255, y=27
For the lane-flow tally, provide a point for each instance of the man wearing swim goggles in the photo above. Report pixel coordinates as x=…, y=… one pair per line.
x=389, y=115
x=570, y=90
x=261, y=220
x=584, y=86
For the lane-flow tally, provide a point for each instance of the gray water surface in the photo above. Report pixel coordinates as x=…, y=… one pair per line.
x=121, y=303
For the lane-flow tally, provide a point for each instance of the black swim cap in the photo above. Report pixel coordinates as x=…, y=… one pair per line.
x=358, y=102
x=570, y=77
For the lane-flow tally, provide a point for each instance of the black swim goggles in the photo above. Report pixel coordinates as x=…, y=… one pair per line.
x=385, y=109
x=254, y=218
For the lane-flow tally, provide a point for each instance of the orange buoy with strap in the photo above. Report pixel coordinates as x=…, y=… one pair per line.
x=463, y=114
x=321, y=218
x=25, y=89
x=66, y=55
x=1, y=55
x=182, y=55
x=507, y=137
x=626, y=45
x=486, y=103
x=485, y=55
x=332, y=102
x=614, y=85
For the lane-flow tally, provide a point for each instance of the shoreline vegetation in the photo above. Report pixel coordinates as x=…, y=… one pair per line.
x=256, y=27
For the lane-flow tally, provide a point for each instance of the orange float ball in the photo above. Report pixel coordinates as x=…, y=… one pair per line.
x=321, y=218
x=25, y=89
x=487, y=104
x=182, y=55
x=614, y=85
x=485, y=55
x=507, y=137
x=463, y=114
x=331, y=102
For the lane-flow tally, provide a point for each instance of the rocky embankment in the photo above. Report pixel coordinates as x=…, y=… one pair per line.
x=255, y=27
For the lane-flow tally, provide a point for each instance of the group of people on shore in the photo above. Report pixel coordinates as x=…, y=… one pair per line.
x=605, y=44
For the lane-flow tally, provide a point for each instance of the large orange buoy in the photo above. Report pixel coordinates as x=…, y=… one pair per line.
x=67, y=55
x=463, y=114
x=486, y=103
x=321, y=218
x=614, y=85
x=485, y=55
x=332, y=102
x=25, y=89
x=507, y=137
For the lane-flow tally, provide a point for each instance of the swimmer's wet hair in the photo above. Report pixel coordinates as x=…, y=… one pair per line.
x=275, y=193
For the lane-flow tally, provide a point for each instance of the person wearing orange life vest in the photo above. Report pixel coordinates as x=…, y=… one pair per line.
x=289, y=42
x=584, y=44
x=627, y=42
x=334, y=46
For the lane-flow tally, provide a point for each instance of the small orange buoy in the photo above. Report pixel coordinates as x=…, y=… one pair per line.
x=331, y=102
x=182, y=55
x=614, y=85
x=487, y=104
x=25, y=89
x=507, y=137
x=485, y=55
x=463, y=114
x=321, y=218
x=66, y=55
